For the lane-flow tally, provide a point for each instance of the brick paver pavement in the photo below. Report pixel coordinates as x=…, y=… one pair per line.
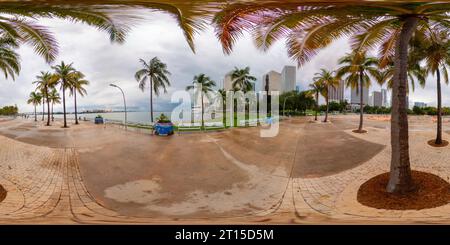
x=45, y=186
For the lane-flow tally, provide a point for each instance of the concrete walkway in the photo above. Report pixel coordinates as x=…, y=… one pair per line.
x=309, y=173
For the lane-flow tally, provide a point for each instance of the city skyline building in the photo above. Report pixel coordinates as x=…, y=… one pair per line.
x=420, y=104
x=355, y=97
x=337, y=94
x=376, y=99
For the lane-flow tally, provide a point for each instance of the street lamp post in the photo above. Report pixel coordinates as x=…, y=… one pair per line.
x=284, y=103
x=124, y=103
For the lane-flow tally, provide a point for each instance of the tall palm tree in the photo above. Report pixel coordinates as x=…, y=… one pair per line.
x=434, y=48
x=310, y=26
x=329, y=81
x=54, y=99
x=77, y=86
x=35, y=99
x=44, y=83
x=357, y=69
x=222, y=95
x=156, y=73
x=206, y=85
x=316, y=89
x=242, y=81
x=64, y=74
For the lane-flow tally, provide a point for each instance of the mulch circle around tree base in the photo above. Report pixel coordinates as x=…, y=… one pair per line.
x=432, y=143
x=2, y=193
x=359, y=131
x=431, y=192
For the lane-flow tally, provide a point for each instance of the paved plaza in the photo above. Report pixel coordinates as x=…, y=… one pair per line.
x=309, y=173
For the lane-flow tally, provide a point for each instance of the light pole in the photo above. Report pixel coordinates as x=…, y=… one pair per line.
x=284, y=103
x=124, y=103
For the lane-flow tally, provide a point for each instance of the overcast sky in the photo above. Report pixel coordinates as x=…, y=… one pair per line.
x=103, y=63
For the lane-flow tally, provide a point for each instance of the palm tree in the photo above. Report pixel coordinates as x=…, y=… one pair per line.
x=35, y=99
x=357, y=69
x=44, y=82
x=157, y=75
x=54, y=99
x=222, y=95
x=328, y=81
x=77, y=86
x=242, y=80
x=316, y=89
x=434, y=48
x=64, y=74
x=310, y=26
x=204, y=85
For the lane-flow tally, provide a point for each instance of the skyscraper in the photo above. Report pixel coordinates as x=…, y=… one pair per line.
x=271, y=82
x=356, y=96
x=384, y=97
x=376, y=99
x=336, y=94
x=288, y=76
x=420, y=104
x=228, y=82
x=282, y=82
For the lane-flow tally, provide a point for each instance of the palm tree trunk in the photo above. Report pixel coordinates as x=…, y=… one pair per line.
x=75, y=98
x=326, y=111
x=43, y=108
x=361, y=102
x=151, y=99
x=400, y=180
x=64, y=104
x=35, y=114
x=203, y=122
x=317, y=106
x=53, y=117
x=48, y=110
x=224, y=113
x=439, y=109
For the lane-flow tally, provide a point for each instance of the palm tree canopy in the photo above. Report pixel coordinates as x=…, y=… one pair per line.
x=78, y=83
x=156, y=71
x=54, y=97
x=309, y=26
x=415, y=73
x=19, y=21
x=358, y=65
x=242, y=80
x=9, y=59
x=433, y=47
x=315, y=88
x=205, y=83
x=65, y=74
x=325, y=80
x=35, y=98
x=44, y=81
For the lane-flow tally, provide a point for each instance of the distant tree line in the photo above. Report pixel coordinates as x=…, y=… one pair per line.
x=429, y=110
x=376, y=110
x=296, y=103
x=335, y=106
x=9, y=110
